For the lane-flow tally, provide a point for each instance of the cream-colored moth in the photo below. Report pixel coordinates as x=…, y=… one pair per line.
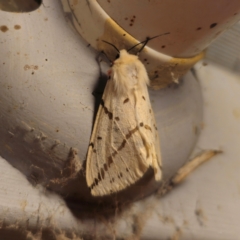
x=124, y=141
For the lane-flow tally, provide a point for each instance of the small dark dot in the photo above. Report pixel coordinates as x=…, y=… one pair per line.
x=3, y=28
x=156, y=72
x=46, y=59
x=124, y=34
x=57, y=130
x=126, y=18
x=105, y=167
x=141, y=124
x=94, y=150
x=144, y=59
x=163, y=46
x=120, y=175
x=157, y=76
x=132, y=20
x=17, y=27
x=147, y=63
x=127, y=169
x=99, y=138
x=213, y=25
x=134, y=16
x=117, y=118
x=32, y=73
x=96, y=181
x=199, y=28
x=130, y=24
x=235, y=14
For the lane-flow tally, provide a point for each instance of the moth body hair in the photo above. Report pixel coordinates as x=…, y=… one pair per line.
x=128, y=65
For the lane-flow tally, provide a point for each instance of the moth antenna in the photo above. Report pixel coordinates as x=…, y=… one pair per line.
x=112, y=45
x=146, y=41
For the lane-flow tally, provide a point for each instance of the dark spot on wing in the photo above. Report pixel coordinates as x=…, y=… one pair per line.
x=102, y=173
x=94, y=150
x=120, y=175
x=126, y=100
x=110, y=161
x=141, y=124
x=143, y=98
x=127, y=169
x=110, y=115
x=105, y=167
x=163, y=46
x=131, y=132
x=113, y=179
x=122, y=145
x=99, y=177
x=155, y=127
x=114, y=153
x=199, y=28
x=99, y=138
x=91, y=145
x=147, y=127
x=150, y=111
x=213, y=25
x=117, y=118
x=95, y=181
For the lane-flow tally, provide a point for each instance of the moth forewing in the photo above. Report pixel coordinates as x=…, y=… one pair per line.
x=124, y=142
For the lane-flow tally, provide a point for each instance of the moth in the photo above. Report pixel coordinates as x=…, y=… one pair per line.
x=124, y=142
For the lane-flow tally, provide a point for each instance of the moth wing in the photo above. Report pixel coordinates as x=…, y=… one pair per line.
x=149, y=131
x=121, y=148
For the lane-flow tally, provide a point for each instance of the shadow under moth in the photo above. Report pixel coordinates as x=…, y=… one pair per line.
x=124, y=141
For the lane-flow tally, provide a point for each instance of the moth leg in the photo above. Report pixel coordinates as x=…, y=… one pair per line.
x=102, y=57
x=186, y=169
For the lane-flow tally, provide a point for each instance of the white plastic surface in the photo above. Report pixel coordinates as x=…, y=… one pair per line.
x=47, y=78
x=206, y=206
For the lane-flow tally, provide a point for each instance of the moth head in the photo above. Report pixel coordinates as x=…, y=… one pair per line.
x=128, y=73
